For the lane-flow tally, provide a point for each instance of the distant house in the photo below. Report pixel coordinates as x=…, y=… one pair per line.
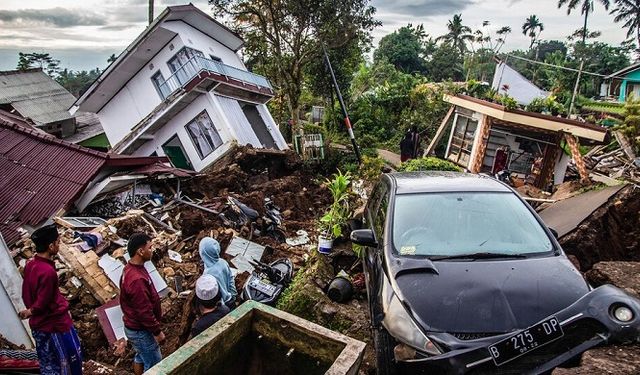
x=486, y=137
x=44, y=104
x=507, y=80
x=42, y=176
x=181, y=90
x=622, y=84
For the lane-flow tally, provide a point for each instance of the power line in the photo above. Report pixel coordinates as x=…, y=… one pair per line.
x=559, y=66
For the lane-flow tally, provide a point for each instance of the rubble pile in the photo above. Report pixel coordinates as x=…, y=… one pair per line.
x=619, y=163
x=176, y=228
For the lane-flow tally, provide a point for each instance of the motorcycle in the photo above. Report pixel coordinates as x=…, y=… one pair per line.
x=267, y=281
x=505, y=176
x=243, y=215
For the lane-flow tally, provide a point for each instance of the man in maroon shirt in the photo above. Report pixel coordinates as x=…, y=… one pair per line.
x=140, y=305
x=57, y=342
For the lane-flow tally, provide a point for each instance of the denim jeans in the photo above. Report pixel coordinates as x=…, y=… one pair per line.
x=146, y=347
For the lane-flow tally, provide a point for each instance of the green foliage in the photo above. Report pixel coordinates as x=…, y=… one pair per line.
x=405, y=48
x=371, y=168
x=77, y=82
x=283, y=38
x=428, y=164
x=548, y=105
x=631, y=125
x=458, y=34
x=43, y=61
x=335, y=218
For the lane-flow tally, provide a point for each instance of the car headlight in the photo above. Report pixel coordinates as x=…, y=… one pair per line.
x=402, y=327
x=622, y=313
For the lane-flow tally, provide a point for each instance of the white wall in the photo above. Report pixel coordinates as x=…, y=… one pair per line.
x=139, y=97
x=197, y=40
x=177, y=126
x=11, y=327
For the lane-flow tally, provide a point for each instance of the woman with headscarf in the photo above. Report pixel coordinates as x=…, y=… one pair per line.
x=218, y=268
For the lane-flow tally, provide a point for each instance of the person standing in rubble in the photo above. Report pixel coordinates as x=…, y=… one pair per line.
x=207, y=301
x=140, y=305
x=218, y=268
x=57, y=343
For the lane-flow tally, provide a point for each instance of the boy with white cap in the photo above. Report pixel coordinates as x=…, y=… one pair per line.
x=208, y=296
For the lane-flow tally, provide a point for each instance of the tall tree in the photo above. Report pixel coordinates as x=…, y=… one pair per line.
x=282, y=37
x=77, y=82
x=532, y=27
x=586, y=7
x=405, y=48
x=43, y=61
x=458, y=34
x=629, y=12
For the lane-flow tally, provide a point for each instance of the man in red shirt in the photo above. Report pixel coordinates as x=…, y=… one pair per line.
x=57, y=342
x=140, y=305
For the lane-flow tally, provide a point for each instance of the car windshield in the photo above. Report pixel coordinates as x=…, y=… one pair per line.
x=459, y=223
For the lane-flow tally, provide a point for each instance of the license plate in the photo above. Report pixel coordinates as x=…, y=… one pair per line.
x=525, y=341
x=263, y=287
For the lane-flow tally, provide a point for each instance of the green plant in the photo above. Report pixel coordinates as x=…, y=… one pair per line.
x=335, y=218
x=631, y=125
x=537, y=105
x=508, y=102
x=428, y=164
x=371, y=168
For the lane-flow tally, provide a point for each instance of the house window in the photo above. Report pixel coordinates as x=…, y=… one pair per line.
x=203, y=134
x=184, y=64
x=160, y=84
x=462, y=140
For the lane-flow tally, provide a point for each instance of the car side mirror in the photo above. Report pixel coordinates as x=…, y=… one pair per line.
x=364, y=237
x=554, y=232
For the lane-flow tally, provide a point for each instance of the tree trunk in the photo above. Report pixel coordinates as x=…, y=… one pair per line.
x=584, y=29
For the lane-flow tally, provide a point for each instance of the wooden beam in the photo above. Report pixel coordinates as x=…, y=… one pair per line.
x=439, y=132
x=574, y=146
x=624, y=143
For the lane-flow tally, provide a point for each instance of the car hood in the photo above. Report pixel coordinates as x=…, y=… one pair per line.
x=494, y=296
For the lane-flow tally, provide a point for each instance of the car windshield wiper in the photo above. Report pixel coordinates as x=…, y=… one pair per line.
x=478, y=256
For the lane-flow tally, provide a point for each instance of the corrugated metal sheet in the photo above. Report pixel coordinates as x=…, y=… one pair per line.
x=39, y=175
x=35, y=96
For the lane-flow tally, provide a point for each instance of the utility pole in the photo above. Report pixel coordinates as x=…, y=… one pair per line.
x=150, y=11
x=347, y=122
x=584, y=46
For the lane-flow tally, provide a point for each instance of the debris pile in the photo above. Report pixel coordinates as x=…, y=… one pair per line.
x=89, y=275
x=619, y=163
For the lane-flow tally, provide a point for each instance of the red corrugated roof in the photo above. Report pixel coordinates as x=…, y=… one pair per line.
x=41, y=174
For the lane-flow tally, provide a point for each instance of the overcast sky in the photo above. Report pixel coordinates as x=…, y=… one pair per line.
x=82, y=34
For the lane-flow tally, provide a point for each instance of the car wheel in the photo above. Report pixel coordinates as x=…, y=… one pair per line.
x=385, y=360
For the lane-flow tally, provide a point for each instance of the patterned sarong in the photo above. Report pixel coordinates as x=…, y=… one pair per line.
x=59, y=353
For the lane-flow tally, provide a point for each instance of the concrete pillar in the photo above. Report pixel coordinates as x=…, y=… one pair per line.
x=480, y=144
x=574, y=146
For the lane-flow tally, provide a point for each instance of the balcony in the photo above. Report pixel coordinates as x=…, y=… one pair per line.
x=200, y=73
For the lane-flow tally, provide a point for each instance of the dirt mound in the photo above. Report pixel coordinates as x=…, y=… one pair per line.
x=613, y=360
x=624, y=275
x=611, y=233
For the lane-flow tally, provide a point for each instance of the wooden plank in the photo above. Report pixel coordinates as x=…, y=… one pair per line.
x=439, y=132
x=626, y=146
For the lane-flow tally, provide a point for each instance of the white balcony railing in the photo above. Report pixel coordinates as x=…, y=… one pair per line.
x=197, y=64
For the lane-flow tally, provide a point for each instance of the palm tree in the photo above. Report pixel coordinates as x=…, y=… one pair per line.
x=532, y=27
x=502, y=37
x=629, y=12
x=458, y=34
x=586, y=7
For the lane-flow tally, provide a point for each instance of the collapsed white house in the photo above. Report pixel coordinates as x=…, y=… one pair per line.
x=181, y=90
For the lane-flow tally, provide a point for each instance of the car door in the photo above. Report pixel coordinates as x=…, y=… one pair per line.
x=374, y=257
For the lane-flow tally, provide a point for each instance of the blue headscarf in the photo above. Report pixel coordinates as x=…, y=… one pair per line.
x=218, y=268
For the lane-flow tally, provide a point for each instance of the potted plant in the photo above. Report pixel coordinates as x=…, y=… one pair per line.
x=332, y=222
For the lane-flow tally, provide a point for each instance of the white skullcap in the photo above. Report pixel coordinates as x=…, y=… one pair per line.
x=206, y=287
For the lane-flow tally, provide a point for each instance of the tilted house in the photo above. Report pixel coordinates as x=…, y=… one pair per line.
x=181, y=90
x=486, y=137
x=622, y=84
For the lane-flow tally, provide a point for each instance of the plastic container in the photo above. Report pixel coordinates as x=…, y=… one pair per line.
x=325, y=245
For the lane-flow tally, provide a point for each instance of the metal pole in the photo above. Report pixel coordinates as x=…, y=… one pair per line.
x=150, y=11
x=347, y=122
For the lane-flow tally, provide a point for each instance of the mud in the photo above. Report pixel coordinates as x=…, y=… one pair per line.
x=612, y=233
